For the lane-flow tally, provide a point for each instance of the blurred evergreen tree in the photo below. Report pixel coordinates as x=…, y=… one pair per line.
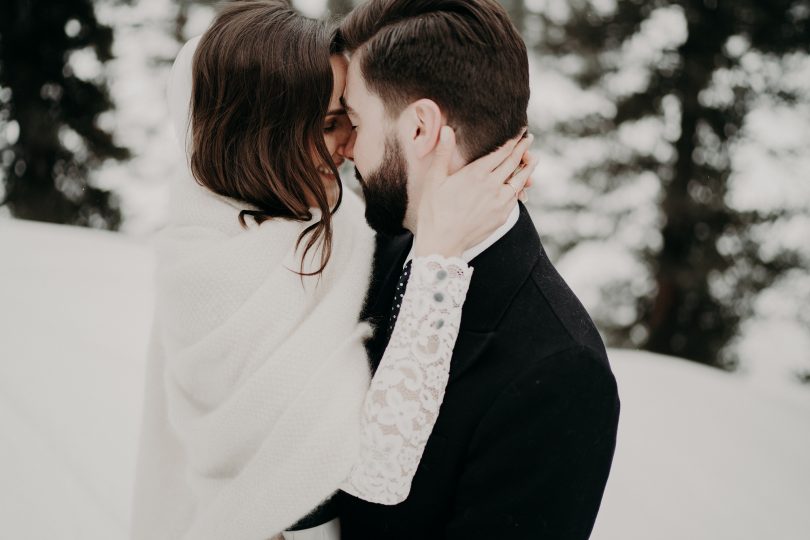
x=704, y=240
x=517, y=12
x=180, y=20
x=180, y=32
x=58, y=142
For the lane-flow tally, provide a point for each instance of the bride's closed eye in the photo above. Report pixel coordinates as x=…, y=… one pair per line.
x=336, y=122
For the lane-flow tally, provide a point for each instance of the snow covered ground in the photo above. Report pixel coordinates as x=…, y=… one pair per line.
x=74, y=314
x=702, y=454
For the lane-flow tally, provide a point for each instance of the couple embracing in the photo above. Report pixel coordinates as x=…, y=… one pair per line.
x=409, y=365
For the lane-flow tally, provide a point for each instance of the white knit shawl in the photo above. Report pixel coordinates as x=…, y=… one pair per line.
x=255, y=381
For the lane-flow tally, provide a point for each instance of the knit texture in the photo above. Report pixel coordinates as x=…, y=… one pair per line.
x=255, y=380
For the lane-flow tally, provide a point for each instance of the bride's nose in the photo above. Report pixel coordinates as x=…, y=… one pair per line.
x=347, y=149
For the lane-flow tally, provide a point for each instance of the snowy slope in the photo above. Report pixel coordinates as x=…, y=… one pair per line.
x=705, y=455
x=74, y=315
x=701, y=454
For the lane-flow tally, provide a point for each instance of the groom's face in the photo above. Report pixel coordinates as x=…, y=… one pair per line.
x=380, y=164
x=386, y=190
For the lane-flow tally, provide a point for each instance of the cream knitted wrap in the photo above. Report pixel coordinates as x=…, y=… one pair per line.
x=255, y=381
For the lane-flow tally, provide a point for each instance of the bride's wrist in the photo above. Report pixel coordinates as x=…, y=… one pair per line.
x=423, y=247
x=436, y=236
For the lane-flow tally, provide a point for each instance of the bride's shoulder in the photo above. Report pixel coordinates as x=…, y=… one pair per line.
x=352, y=213
x=352, y=206
x=351, y=198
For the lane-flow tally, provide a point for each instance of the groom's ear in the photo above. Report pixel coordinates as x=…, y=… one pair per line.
x=423, y=120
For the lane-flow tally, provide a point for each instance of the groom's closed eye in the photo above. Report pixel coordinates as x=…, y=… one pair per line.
x=349, y=110
x=352, y=115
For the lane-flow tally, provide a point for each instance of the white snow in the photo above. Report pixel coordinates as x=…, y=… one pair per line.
x=74, y=310
x=702, y=454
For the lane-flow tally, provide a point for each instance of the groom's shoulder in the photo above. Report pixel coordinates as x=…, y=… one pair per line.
x=557, y=300
x=565, y=355
x=568, y=349
x=518, y=293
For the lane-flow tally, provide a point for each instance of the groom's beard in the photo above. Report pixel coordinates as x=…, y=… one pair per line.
x=386, y=191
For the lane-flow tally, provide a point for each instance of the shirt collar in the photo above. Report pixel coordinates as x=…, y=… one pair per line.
x=476, y=250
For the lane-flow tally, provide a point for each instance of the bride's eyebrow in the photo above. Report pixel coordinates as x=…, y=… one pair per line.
x=336, y=112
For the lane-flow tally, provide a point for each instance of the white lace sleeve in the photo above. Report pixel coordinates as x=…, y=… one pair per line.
x=408, y=387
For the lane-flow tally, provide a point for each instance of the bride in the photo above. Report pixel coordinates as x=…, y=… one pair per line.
x=259, y=403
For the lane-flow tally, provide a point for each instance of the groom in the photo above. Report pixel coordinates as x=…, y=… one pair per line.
x=527, y=430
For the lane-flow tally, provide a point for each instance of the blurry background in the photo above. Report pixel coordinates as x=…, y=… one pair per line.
x=673, y=194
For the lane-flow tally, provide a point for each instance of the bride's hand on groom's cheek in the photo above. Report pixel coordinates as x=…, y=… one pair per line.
x=528, y=160
x=459, y=210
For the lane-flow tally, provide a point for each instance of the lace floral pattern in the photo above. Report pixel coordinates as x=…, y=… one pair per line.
x=402, y=404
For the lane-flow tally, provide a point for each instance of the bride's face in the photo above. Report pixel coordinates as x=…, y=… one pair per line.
x=336, y=127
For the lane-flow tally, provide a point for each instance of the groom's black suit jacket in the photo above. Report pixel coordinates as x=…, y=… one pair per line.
x=526, y=433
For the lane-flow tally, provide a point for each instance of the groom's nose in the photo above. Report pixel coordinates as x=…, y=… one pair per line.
x=347, y=150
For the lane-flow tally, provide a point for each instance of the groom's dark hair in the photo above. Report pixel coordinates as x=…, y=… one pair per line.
x=466, y=55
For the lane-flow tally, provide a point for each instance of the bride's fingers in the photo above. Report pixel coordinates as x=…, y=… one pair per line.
x=490, y=161
x=523, y=196
x=510, y=165
x=530, y=181
x=529, y=158
x=520, y=180
x=507, y=197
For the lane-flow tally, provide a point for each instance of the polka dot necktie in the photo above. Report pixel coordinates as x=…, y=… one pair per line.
x=398, y=296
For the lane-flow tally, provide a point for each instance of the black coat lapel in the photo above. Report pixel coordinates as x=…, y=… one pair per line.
x=500, y=272
x=389, y=256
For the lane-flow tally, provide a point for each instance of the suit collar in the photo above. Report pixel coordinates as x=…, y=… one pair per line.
x=499, y=233
x=499, y=273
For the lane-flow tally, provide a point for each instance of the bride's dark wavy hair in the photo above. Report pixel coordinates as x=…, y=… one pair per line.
x=261, y=85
